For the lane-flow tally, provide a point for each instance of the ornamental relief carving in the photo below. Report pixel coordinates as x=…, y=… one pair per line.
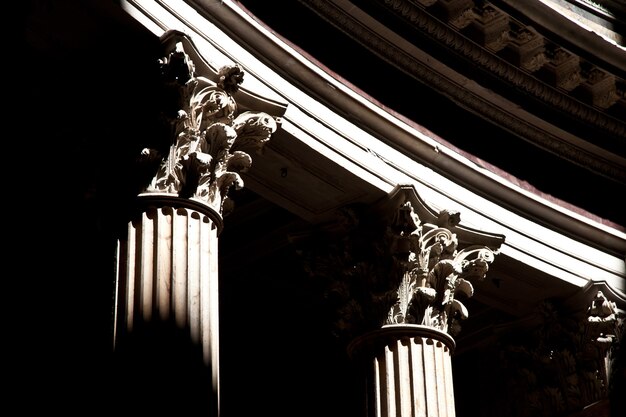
x=560, y=366
x=397, y=269
x=435, y=275
x=515, y=35
x=550, y=81
x=210, y=141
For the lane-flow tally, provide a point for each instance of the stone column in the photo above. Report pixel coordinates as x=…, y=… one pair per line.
x=395, y=276
x=408, y=371
x=167, y=263
x=168, y=271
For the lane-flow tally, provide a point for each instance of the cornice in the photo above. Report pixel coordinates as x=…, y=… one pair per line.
x=569, y=34
x=379, y=39
x=235, y=23
x=519, y=77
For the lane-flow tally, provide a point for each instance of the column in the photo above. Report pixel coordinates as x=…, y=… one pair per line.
x=167, y=271
x=408, y=371
x=394, y=277
x=166, y=301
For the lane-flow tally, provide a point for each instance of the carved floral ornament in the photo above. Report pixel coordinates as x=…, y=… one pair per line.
x=210, y=141
x=434, y=271
x=398, y=271
x=563, y=364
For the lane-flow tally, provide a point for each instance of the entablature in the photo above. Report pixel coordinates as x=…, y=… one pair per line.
x=518, y=65
x=331, y=139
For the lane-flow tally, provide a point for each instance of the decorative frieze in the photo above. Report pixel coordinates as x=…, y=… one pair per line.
x=525, y=48
x=458, y=13
x=519, y=70
x=562, y=69
x=599, y=88
x=489, y=27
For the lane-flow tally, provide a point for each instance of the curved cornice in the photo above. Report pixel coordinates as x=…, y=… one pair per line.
x=386, y=44
x=231, y=21
x=521, y=79
x=570, y=34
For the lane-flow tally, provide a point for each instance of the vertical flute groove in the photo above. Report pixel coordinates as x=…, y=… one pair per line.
x=449, y=384
x=162, y=259
x=440, y=372
x=194, y=258
x=128, y=267
x=405, y=400
x=147, y=266
x=384, y=386
x=417, y=380
x=378, y=388
x=180, y=272
x=389, y=392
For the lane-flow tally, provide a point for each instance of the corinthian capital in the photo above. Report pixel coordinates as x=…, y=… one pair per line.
x=435, y=272
x=399, y=263
x=210, y=140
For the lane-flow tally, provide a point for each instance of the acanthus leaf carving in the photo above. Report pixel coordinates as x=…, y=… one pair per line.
x=379, y=270
x=435, y=274
x=561, y=357
x=210, y=140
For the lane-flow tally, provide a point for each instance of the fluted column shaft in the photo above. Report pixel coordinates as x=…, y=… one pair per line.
x=167, y=272
x=408, y=371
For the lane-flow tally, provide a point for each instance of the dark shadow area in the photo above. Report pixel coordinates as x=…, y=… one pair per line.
x=157, y=371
